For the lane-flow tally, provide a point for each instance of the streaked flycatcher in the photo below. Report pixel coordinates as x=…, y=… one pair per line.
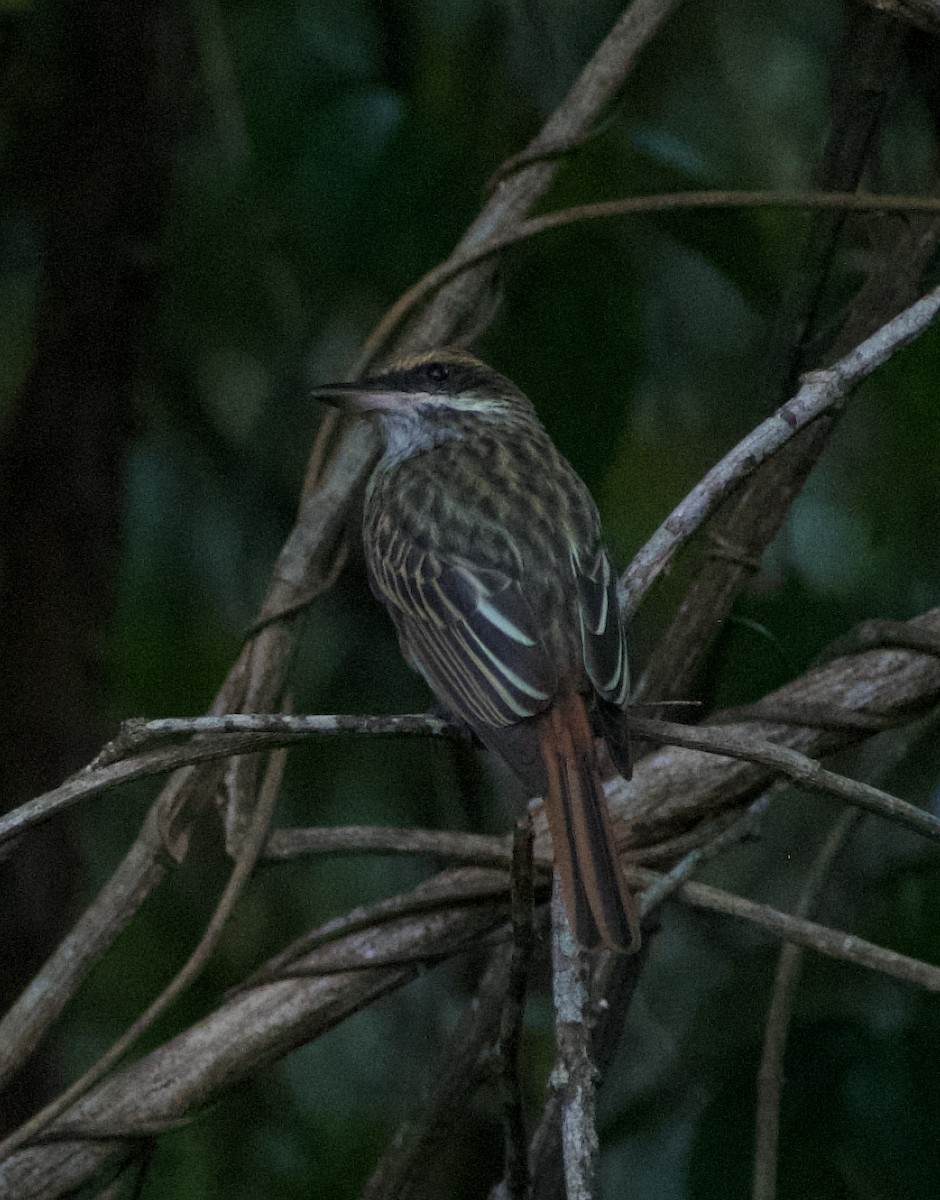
x=484, y=545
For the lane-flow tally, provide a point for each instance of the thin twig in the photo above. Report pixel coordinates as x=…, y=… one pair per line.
x=219, y=737
x=511, y=1023
x=925, y=14
x=770, y=1074
x=453, y=1077
x=301, y=601
x=629, y=206
x=438, y=845
x=832, y=943
x=820, y=391
x=191, y=969
x=136, y=733
x=545, y=153
x=739, y=830
x=597, y=86
x=798, y=767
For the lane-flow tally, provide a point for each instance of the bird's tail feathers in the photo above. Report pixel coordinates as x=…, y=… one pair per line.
x=600, y=906
x=616, y=733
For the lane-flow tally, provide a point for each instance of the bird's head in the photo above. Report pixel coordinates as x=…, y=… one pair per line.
x=430, y=397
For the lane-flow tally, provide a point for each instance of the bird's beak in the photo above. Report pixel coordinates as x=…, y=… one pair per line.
x=363, y=397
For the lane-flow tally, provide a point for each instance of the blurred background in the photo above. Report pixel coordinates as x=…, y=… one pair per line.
x=206, y=205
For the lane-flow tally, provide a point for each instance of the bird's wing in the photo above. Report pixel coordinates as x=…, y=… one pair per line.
x=604, y=646
x=603, y=640
x=469, y=630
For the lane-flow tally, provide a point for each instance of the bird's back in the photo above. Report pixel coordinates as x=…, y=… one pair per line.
x=505, y=503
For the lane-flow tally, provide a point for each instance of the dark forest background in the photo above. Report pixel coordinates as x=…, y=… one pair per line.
x=206, y=206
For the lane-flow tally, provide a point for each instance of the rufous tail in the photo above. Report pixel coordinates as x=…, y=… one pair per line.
x=601, y=910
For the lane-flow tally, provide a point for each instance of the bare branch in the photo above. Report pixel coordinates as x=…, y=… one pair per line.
x=807, y=772
x=253, y=1028
x=675, y=789
x=631, y=206
x=190, y=970
x=820, y=392
x=456, y=1073
x=673, y=792
x=513, y=1016
x=830, y=942
x=135, y=733
x=925, y=14
x=247, y=733
x=863, y=79
x=443, y=846
x=219, y=737
x=616, y=975
x=590, y=94
x=744, y=827
x=770, y=1074
x=574, y=1076
x=339, y=978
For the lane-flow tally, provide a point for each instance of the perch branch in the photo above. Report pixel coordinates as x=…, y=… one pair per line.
x=574, y=1076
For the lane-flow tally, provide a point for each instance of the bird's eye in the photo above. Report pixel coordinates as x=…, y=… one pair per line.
x=437, y=372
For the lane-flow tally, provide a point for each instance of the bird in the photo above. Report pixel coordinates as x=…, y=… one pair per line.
x=484, y=545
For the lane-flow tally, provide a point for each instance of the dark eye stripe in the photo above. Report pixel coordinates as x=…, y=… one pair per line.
x=437, y=371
